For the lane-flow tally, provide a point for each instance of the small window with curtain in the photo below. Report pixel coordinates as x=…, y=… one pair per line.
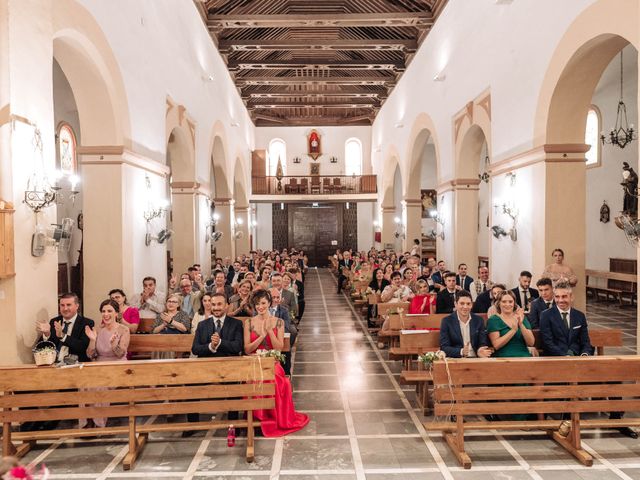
x=353, y=157
x=277, y=151
x=592, y=136
x=67, y=149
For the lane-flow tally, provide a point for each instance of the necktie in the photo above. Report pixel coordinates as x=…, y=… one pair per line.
x=565, y=319
x=484, y=287
x=218, y=325
x=548, y=304
x=65, y=327
x=525, y=304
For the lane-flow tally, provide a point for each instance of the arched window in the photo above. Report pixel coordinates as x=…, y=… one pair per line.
x=353, y=157
x=277, y=150
x=67, y=149
x=592, y=136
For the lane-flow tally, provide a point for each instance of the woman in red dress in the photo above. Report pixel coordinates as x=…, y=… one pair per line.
x=422, y=302
x=266, y=332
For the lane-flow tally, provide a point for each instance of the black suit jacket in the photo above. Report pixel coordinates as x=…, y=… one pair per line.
x=451, y=341
x=533, y=294
x=535, y=310
x=558, y=340
x=467, y=282
x=231, y=338
x=77, y=340
x=445, y=302
x=482, y=303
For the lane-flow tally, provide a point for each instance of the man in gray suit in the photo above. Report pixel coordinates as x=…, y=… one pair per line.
x=288, y=299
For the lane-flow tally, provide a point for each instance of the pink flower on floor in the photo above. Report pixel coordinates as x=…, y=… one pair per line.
x=20, y=473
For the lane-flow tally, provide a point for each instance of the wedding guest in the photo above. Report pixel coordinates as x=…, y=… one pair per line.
x=558, y=271
x=445, y=301
x=149, y=303
x=463, y=280
x=129, y=316
x=240, y=303
x=544, y=302
x=172, y=320
x=509, y=330
x=523, y=293
x=422, y=302
x=463, y=334
x=481, y=284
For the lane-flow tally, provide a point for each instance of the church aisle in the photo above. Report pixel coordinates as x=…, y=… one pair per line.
x=364, y=425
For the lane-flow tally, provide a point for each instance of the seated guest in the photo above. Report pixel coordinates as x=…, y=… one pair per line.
x=149, y=303
x=564, y=329
x=426, y=276
x=544, y=302
x=388, y=270
x=233, y=273
x=364, y=273
x=445, y=301
x=282, y=312
x=462, y=334
x=107, y=343
x=438, y=275
x=220, y=285
x=288, y=298
x=345, y=266
x=484, y=302
x=509, y=330
x=482, y=284
x=289, y=285
x=240, y=303
x=463, y=280
x=408, y=278
x=421, y=303
x=298, y=282
x=203, y=312
x=396, y=292
x=523, y=294
x=129, y=316
x=67, y=330
x=172, y=320
x=190, y=300
x=264, y=331
x=378, y=283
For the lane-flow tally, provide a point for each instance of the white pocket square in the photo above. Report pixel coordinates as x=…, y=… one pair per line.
x=579, y=326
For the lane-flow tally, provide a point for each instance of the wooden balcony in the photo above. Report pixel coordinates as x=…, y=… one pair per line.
x=347, y=187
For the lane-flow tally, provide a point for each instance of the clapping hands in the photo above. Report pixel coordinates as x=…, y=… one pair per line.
x=90, y=332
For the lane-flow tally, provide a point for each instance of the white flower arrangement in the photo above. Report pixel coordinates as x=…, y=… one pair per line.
x=277, y=354
x=428, y=358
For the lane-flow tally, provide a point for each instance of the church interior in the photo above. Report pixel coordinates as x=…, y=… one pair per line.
x=165, y=151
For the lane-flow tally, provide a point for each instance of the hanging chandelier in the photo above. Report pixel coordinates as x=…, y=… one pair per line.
x=623, y=133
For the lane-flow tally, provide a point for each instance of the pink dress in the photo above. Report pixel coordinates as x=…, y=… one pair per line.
x=132, y=315
x=283, y=419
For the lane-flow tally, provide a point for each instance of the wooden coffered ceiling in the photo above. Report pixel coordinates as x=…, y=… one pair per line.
x=317, y=62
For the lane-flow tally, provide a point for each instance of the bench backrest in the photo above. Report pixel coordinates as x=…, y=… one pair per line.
x=407, y=322
x=139, y=388
x=540, y=385
x=181, y=343
x=422, y=341
x=384, y=308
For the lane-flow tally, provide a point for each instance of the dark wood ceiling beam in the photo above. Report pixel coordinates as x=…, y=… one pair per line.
x=397, y=65
x=268, y=118
x=313, y=93
x=313, y=103
x=320, y=121
x=409, y=45
x=359, y=80
x=392, y=19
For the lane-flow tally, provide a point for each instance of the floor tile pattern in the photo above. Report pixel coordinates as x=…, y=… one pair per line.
x=364, y=424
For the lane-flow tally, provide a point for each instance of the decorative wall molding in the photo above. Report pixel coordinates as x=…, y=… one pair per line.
x=119, y=155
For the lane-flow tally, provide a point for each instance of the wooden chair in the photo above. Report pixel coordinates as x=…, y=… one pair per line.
x=136, y=389
x=315, y=184
x=304, y=186
x=292, y=187
x=337, y=185
x=326, y=185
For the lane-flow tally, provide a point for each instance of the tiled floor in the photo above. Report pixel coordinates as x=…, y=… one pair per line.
x=364, y=425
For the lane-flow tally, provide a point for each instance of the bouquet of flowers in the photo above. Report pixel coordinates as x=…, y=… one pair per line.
x=366, y=293
x=277, y=354
x=10, y=469
x=428, y=358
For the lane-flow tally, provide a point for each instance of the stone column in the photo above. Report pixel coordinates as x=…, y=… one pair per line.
x=412, y=221
x=388, y=226
x=224, y=208
x=242, y=217
x=465, y=224
x=184, y=210
x=26, y=103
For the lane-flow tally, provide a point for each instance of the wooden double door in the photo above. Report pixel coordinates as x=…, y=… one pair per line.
x=316, y=230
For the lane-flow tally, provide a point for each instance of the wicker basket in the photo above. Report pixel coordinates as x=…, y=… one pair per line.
x=44, y=353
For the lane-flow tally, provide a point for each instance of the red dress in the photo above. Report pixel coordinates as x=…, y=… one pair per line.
x=284, y=419
x=417, y=302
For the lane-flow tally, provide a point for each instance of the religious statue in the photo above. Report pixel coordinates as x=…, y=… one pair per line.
x=630, y=186
x=314, y=147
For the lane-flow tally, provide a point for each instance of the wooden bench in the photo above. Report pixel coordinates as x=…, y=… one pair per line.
x=179, y=343
x=415, y=344
x=400, y=321
x=616, y=285
x=520, y=386
x=137, y=389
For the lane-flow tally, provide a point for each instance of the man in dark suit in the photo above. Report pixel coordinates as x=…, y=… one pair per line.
x=67, y=330
x=345, y=263
x=234, y=271
x=543, y=302
x=524, y=294
x=463, y=280
x=438, y=275
x=485, y=300
x=445, y=300
x=281, y=311
x=462, y=334
x=217, y=336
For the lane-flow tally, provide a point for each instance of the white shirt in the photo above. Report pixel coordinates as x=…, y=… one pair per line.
x=215, y=326
x=64, y=350
x=568, y=312
x=466, y=336
x=151, y=307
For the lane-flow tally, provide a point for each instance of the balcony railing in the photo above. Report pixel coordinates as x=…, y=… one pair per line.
x=314, y=185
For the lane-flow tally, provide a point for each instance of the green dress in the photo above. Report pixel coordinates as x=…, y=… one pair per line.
x=516, y=347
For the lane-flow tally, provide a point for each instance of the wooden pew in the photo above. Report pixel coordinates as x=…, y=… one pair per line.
x=415, y=344
x=401, y=321
x=137, y=389
x=626, y=285
x=547, y=385
x=179, y=343
x=384, y=308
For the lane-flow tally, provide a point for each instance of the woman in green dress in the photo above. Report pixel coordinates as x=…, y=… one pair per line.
x=509, y=330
